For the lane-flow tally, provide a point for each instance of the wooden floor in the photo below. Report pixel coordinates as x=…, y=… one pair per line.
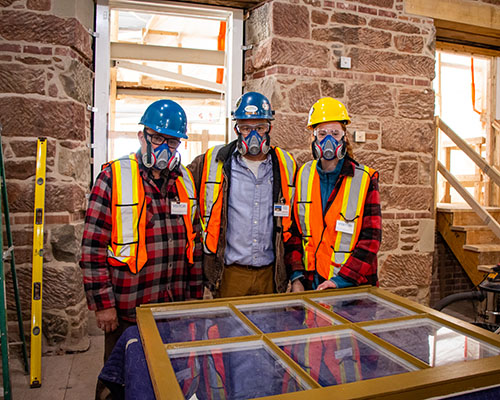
x=65, y=377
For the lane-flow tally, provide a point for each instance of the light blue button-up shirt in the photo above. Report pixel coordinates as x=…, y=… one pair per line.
x=249, y=236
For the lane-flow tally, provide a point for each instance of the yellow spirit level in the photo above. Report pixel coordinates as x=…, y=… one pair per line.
x=36, y=293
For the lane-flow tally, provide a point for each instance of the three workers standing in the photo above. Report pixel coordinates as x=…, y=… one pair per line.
x=261, y=224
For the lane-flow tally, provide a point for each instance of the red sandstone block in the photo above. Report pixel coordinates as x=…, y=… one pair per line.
x=23, y=219
x=385, y=13
x=406, y=215
x=344, y=6
x=364, y=77
x=371, y=136
x=367, y=10
x=416, y=20
x=57, y=219
x=46, y=50
x=259, y=74
x=341, y=74
x=404, y=81
x=31, y=49
x=409, y=223
x=382, y=78
x=329, y=4
x=5, y=58
x=61, y=51
x=387, y=215
x=421, y=82
x=423, y=215
x=10, y=47
x=404, y=18
x=271, y=71
x=399, y=7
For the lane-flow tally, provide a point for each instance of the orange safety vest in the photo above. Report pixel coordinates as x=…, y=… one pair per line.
x=128, y=213
x=211, y=197
x=329, y=240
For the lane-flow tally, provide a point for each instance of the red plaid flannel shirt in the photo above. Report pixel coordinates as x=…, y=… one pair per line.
x=166, y=276
x=361, y=267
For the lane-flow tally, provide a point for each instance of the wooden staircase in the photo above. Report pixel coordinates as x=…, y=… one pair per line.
x=473, y=243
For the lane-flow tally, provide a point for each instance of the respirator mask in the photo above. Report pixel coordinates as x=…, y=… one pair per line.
x=162, y=157
x=256, y=140
x=329, y=148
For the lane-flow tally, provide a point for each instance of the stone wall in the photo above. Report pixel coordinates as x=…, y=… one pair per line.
x=45, y=87
x=294, y=60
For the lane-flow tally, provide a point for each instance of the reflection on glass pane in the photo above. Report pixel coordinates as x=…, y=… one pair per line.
x=433, y=343
x=362, y=307
x=341, y=357
x=202, y=324
x=232, y=371
x=285, y=316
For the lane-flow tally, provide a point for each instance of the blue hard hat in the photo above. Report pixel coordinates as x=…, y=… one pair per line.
x=253, y=105
x=166, y=117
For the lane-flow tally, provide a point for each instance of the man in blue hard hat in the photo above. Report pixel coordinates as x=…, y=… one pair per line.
x=141, y=240
x=245, y=192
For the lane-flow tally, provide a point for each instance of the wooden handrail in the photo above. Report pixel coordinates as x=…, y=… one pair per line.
x=496, y=124
x=491, y=171
x=485, y=216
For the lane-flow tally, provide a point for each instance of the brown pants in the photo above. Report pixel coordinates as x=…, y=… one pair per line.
x=110, y=339
x=240, y=280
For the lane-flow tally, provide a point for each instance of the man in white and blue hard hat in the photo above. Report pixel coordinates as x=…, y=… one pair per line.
x=245, y=192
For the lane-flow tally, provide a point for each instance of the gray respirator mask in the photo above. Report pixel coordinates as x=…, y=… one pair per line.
x=161, y=157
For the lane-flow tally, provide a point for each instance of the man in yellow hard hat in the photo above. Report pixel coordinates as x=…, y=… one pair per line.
x=336, y=207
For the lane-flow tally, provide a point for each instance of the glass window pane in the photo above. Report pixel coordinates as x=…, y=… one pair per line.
x=202, y=324
x=362, y=307
x=433, y=343
x=233, y=371
x=341, y=357
x=285, y=316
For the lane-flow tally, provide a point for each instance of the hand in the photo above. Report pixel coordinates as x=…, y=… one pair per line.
x=297, y=286
x=107, y=320
x=327, y=285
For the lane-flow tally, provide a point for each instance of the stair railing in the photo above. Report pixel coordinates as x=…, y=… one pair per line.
x=486, y=168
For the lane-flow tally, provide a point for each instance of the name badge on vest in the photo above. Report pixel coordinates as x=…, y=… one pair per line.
x=178, y=208
x=281, y=210
x=346, y=227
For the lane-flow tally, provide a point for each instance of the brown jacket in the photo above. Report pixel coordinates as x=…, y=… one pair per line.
x=213, y=264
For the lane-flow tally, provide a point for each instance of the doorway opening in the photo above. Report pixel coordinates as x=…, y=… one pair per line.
x=186, y=53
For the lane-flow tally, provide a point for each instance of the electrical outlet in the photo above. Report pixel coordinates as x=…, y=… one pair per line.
x=345, y=62
x=359, y=136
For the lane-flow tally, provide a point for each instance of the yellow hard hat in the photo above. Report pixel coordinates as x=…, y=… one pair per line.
x=325, y=110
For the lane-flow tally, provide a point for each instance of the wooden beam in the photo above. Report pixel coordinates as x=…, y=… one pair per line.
x=143, y=52
x=159, y=5
x=466, y=49
x=188, y=80
x=161, y=94
x=461, y=11
x=454, y=32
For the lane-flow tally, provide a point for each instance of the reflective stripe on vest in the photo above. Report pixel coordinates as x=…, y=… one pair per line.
x=287, y=173
x=128, y=212
x=211, y=195
x=187, y=194
x=211, y=199
x=128, y=237
x=325, y=248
